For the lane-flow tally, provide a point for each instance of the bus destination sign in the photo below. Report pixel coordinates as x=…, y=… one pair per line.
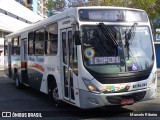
x=112, y=15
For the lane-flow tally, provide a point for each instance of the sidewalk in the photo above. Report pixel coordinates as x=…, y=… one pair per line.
x=1, y=67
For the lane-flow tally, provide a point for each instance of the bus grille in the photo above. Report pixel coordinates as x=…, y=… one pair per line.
x=117, y=99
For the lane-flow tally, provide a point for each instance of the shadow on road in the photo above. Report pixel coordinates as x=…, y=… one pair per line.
x=31, y=100
x=48, y=109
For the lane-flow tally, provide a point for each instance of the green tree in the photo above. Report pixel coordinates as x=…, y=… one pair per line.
x=75, y=3
x=54, y=6
x=152, y=7
x=93, y=3
x=121, y=3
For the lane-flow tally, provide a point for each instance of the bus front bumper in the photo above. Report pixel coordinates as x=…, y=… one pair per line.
x=93, y=100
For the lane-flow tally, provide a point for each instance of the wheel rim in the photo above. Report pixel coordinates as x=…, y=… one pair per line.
x=55, y=94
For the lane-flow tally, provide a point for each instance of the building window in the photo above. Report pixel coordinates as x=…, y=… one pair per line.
x=29, y=1
x=3, y=34
x=52, y=39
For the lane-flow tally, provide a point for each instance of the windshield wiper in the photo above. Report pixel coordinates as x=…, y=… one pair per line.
x=107, y=32
x=129, y=37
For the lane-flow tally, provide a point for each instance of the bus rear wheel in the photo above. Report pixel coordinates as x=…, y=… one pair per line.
x=18, y=84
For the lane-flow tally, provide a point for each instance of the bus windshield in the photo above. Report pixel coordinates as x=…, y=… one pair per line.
x=114, y=49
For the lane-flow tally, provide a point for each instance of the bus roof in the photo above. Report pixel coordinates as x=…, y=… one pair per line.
x=65, y=14
x=107, y=7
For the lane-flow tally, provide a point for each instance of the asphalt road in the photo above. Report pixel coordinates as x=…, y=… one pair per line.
x=28, y=100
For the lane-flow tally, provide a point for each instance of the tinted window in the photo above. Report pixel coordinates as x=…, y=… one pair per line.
x=16, y=46
x=52, y=39
x=30, y=43
x=5, y=47
x=39, y=41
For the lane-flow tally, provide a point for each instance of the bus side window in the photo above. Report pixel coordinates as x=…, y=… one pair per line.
x=70, y=44
x=16, y=46
x=5, y=48
x=64, y=45
x=39, y=41
x=51, y=40
x=31, y=43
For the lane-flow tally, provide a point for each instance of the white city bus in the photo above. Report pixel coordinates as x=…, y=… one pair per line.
x=87, y=56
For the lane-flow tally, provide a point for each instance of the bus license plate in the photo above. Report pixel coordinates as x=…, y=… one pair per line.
x=127, y=101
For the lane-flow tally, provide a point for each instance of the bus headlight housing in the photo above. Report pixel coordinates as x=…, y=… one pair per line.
x=90, y=86
x=153, y=80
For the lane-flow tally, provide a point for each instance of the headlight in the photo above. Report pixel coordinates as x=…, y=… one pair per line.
x=90, y=86
x=153, y=80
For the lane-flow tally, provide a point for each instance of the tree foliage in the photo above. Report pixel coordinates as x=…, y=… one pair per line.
x=54, y=6
x=152, y=7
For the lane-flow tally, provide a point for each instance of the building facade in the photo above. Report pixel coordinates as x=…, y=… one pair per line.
x=13, y=17
x=41, y=8
x=26, y=3
x=3, y=33
x=37, y=6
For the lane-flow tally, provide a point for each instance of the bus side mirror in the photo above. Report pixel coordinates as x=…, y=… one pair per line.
x=77, y=38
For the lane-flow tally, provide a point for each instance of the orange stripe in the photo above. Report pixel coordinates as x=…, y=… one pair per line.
x=36, y=66
x=23, y=64
x=39, y=67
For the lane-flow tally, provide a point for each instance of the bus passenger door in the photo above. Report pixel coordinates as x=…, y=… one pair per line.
x=24, y=73
x=67, y=53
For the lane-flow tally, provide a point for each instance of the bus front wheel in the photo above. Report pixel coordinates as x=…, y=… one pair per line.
x=53, y=93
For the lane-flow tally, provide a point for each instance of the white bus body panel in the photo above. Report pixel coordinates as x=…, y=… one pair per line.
x=53, y=65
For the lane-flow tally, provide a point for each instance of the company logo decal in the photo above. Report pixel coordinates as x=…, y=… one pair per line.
x=117, y=88
x=89, y=53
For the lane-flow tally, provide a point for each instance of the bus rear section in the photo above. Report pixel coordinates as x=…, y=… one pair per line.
x=12, y=58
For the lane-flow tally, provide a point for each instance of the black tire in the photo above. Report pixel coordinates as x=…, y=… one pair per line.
x=18, y=84
x=53, y=94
